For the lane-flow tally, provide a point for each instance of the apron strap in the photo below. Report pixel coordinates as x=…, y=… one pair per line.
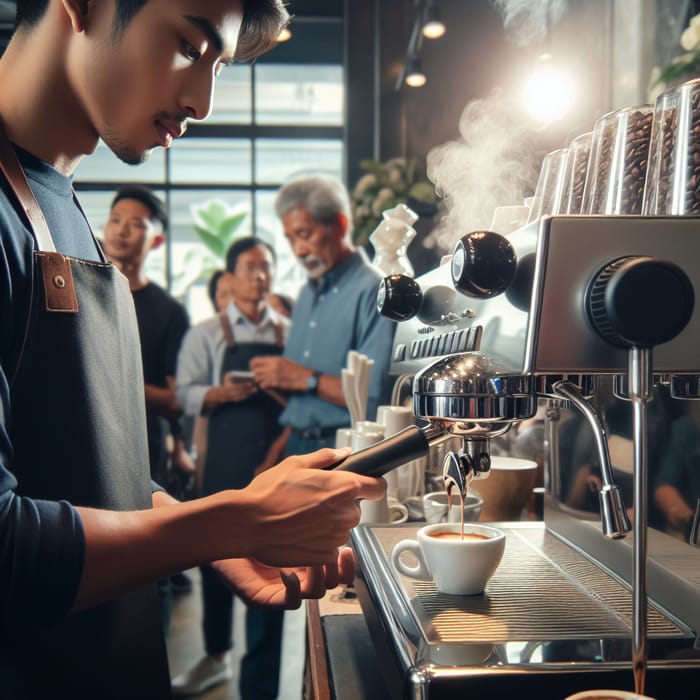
x=56, y=271
x=9, y=164
x=226, y=327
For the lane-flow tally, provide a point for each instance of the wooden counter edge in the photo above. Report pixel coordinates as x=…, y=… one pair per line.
x=316, y=679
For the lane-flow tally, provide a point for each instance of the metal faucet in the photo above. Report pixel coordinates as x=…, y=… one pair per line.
x=613, y=515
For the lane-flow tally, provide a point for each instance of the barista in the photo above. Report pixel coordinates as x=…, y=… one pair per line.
x=83, y=533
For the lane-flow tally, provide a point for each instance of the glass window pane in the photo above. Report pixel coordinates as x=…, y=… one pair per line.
x=104, y=166
x=277, y=159
x=299, y=94
x=232, y=96
x=289, y=274
x=207, y=160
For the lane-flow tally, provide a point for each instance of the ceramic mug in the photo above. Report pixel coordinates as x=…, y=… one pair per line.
x=343, y=437
x=607, y=695
x=437, y=508
x=385, y=510
x=457, y=566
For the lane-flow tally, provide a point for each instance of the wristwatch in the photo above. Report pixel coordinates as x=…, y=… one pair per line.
x=312, y=383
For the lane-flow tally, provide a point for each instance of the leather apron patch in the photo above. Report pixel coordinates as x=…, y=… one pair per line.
x=57, y=278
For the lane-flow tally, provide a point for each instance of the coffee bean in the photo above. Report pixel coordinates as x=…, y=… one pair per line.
x=624, y=193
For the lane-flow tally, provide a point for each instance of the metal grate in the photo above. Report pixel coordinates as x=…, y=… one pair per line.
x=543, y=589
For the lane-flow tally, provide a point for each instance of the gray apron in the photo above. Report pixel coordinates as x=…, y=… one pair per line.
x=240, y=432
x=78, y=429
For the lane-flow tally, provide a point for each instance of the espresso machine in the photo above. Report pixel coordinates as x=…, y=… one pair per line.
x=580, y=601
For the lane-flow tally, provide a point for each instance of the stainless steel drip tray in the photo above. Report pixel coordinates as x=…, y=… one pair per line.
x=546, y=606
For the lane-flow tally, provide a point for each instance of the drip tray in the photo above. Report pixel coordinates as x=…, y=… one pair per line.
x=547, y=608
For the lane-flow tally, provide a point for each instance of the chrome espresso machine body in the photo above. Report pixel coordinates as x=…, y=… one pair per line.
x=502, y=325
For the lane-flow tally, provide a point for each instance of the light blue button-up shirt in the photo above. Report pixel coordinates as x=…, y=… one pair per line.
x=332, y=316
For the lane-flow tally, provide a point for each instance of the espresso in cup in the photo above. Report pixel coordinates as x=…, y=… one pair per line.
x=458, y=565
x=458, y=536
x=607, y=695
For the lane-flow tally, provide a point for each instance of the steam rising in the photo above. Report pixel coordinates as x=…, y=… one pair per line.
x=491, y=165
x=527, y=21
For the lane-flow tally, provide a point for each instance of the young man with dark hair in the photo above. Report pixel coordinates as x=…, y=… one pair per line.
x=83, y=531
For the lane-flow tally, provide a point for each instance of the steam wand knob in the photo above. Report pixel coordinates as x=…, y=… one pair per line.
x=399, y=297
x=483, y=264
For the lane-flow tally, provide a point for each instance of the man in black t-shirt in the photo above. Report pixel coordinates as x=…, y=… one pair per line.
x=136, y=225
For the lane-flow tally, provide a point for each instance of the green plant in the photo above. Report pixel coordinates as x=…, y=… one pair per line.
x=217, y=225
x=383, y=186
x=684, y=66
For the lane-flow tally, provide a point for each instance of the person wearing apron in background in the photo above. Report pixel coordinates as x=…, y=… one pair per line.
x=243, y=423
x=83, y=531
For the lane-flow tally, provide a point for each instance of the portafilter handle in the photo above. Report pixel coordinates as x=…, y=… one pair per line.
x=379, y=459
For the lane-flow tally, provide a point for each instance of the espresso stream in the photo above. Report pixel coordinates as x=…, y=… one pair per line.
x=462, y=497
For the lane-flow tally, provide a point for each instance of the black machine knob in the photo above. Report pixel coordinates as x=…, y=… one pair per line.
x=483, y=264
x=399, y=297
x=639, y=301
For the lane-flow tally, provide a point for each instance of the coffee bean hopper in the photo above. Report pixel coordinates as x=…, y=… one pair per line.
x=505, y=324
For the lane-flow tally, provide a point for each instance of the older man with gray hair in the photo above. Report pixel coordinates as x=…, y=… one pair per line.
x=335, y=312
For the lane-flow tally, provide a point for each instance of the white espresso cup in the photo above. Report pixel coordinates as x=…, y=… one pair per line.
x=457, y=566
x=385, y=510
x=607, y=695
x=343, y=437
x=438, y=509
x=395, y=418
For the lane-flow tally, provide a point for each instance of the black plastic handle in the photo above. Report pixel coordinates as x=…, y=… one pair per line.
x=380, y=458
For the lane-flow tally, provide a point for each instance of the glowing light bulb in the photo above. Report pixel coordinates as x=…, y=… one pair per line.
x=433, y=27
x=549, y=92
x=415, y=77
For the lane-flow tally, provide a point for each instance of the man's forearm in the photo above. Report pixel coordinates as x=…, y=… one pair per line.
x=294, y=515
x=124, y=550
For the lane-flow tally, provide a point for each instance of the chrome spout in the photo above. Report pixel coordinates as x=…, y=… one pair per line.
x=472, y=462
x=613, y=515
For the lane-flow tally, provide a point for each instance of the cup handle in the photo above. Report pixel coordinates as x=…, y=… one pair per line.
x=420, y=570
x=398, y=513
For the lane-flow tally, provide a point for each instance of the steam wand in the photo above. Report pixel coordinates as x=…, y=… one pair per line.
x=615, y=522
x=639, y=374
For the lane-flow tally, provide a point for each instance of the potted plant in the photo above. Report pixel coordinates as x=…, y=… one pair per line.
x=217, y=224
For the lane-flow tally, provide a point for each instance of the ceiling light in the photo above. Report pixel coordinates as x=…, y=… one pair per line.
x=433, y=26
x=415, y=77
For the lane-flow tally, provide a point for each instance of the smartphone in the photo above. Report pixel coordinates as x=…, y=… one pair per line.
x=239, y=375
